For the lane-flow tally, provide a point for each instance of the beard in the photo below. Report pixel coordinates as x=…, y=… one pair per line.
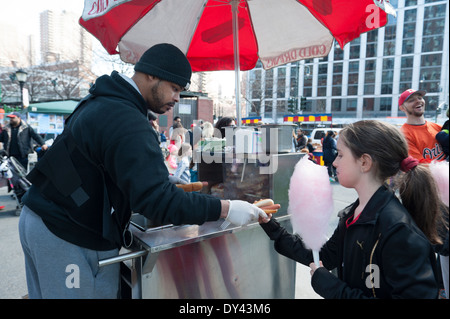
x=413, y=111
x=157, y=104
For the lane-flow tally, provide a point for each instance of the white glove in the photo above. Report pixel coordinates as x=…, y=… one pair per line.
x=241, y=213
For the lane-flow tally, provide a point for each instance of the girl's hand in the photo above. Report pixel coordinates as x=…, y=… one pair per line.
x=263, y=220
x=314, y=267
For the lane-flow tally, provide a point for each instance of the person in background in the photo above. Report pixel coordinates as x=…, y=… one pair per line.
x=152, y=118
x=309, y=146
x=382, y=247
x=302, y=139
x=17, y=138
x=184, y=159
x=223, y=123
x=420, y=133
x=207, y=130
x=178, y=135
x=163, y=139
x=176, y=120
x=329, y=154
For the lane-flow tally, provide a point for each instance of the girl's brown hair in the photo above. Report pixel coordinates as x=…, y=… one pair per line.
x=184, y=148
x=388, y=148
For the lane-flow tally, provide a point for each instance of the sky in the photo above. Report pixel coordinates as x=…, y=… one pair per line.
x=24, y=14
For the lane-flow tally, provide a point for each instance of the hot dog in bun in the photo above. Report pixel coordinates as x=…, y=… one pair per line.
x=267, y=205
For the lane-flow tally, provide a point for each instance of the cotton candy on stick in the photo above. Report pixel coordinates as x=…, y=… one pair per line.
x=310, y=204
x=440, y=171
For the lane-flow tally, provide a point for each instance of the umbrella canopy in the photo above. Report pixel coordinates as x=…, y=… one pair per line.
x=231, y=34
x=275, y=31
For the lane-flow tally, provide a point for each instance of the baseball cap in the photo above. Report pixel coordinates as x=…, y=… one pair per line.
x=405, y=95
x=14, y=114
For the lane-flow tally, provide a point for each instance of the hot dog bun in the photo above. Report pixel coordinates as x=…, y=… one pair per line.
x=263, y=202
x=267, y=205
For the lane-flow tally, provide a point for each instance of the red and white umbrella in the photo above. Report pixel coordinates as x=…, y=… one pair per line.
x=231, y=34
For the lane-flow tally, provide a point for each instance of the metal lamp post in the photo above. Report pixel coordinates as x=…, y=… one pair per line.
x=21, y=76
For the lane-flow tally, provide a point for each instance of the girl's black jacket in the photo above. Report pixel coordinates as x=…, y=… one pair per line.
x=106, y=165
x=383, y=254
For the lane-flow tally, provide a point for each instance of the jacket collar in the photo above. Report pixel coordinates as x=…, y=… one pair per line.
x=115, y=86
x=376, y=203
x=140, y=102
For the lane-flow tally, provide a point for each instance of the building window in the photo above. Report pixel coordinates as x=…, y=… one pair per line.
x=269, y=84
x=406, y=73
x=389, y=40
x=282, y=106
x=321, y=105
x=437, y=11
x=322, y=79
x=433, y=28
x=338, y=52
x=307, y=80
x=268, y=108
x=281, y=85
x=433, y=43
x=336, y=105
x=368, y=107
x=386, y=105
x=409, y=31
x=353, y=70
x=255, y=82
x=387, y=76
x=294, y=80
x=351, y=105
x=371, y=48
x=354, y=48
x=337, y=79
x=369, y=85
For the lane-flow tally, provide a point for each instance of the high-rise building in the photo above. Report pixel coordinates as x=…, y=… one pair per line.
x=62, y=39
x=366, y=78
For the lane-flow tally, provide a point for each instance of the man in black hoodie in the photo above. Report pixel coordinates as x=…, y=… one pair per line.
x=106, y=165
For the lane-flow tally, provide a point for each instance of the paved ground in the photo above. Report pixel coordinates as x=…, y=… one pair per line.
x=12, y=269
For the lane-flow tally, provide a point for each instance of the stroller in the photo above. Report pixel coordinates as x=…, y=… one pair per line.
x=15, y=175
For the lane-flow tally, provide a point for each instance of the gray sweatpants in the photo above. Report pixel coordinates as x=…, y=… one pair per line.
x=56, y=268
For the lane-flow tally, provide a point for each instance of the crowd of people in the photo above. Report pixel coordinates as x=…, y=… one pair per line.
x=183, y=142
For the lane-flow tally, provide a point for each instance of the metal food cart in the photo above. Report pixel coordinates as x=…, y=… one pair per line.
x=205, y=261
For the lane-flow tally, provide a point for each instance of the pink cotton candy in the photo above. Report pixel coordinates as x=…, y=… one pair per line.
x=440, y=171
x=310, y=202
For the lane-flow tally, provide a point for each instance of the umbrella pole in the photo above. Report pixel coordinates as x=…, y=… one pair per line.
x=235, y=20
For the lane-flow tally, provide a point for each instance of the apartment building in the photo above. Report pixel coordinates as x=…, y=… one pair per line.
x=365, y=79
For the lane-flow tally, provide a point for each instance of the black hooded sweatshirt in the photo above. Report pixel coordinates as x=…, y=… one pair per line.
x=106, y=165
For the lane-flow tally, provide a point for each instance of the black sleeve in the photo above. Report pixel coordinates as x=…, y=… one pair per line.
x=35, y=136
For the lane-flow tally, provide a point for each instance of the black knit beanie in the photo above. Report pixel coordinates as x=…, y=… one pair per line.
x=167, y=62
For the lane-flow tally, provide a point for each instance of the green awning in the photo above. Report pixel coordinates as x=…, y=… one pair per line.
x=56, y=107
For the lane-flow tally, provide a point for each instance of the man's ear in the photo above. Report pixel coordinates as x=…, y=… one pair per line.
x=401, y=108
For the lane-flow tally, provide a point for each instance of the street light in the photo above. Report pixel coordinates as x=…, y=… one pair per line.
x=21, y=76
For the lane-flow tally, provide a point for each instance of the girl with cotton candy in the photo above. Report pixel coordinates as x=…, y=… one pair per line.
x=382, y=247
